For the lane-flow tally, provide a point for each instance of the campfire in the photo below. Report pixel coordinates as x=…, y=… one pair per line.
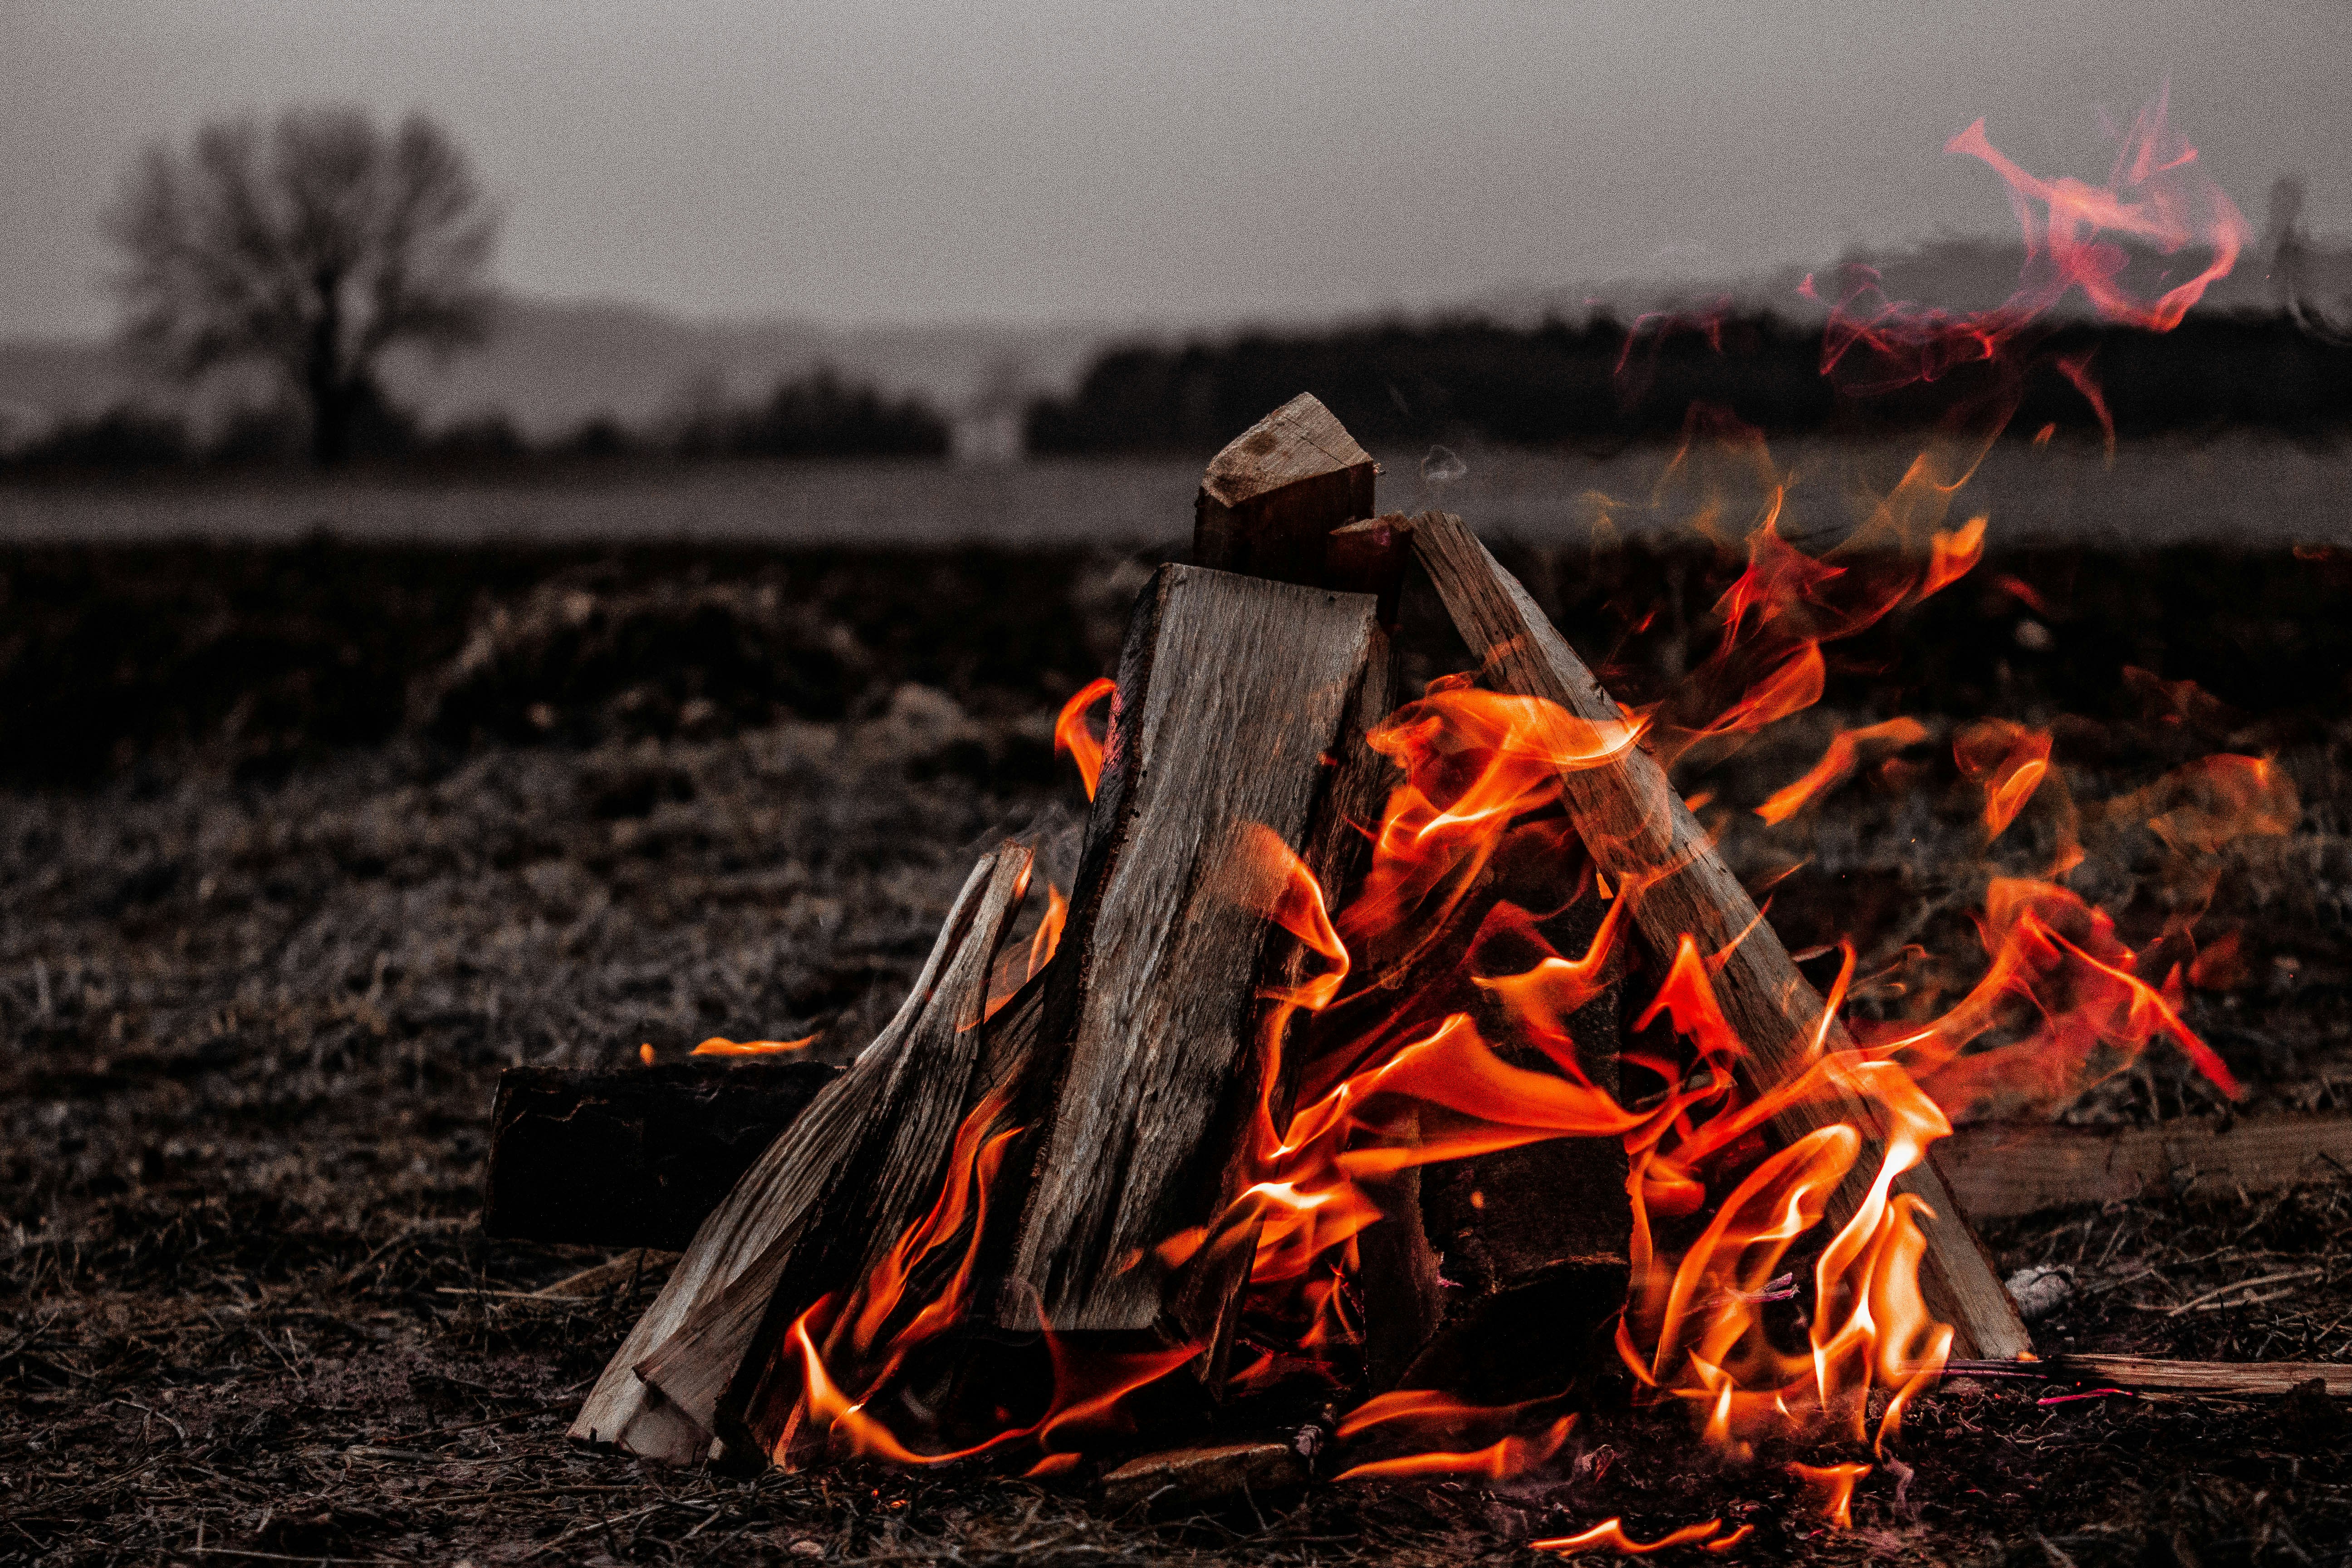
x=1404, y=1075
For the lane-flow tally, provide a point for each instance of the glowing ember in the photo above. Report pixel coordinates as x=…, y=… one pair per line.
x=716, y=1046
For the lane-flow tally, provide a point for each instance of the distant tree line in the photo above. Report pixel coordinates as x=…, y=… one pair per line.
x=821, y=414
x=1558, y=383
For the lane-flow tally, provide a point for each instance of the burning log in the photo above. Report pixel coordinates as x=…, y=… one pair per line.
x=839, y=1183
x=1189, y=1480
x=1644, y=837
x=633, y=1157
x=1232, y=692
x=1997, y=1170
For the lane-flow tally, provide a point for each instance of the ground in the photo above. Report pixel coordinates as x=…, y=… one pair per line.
x=300, y=847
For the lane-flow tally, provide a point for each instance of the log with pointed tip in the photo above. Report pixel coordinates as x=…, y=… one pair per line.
x=873, y=1136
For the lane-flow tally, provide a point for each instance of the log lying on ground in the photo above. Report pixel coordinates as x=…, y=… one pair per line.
x=634, y=1156
x=1189, y=1480
x=2000, y=1170
x=1270, y=499
x=1639, y=830
x=2154, y=1375
x=1232, y=692
x=905, y=1080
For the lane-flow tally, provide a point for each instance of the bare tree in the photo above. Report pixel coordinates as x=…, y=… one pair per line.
x=313, y=244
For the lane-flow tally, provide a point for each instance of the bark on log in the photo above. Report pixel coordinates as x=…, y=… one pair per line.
x=1232, y=690
x=1188, y=1481
x=636, y=1156
x=1637, y=827
x=787, y=1191
x=2000, y=1170
x=1271, y=499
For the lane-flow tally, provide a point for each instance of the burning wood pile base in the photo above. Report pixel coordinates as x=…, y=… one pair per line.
x=1328, y=1120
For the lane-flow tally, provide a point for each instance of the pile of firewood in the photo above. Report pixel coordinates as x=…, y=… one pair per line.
x=1248, y=681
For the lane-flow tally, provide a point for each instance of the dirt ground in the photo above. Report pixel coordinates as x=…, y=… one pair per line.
x=299, y=846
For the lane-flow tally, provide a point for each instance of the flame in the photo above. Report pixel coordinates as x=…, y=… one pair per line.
x=1429, y=1414
x=1072, y=735
x=1610, y=1535
x=1830, y=1489
x=1838, y=763
x=716, y=1046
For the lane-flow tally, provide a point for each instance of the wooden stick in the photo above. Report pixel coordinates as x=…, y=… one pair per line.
x=1639, y=830
x=1998, y=1170
x=634, y=1156
x=1232, y=691
x=2154, y=1375
x=1271, y=499
x=770, y=1207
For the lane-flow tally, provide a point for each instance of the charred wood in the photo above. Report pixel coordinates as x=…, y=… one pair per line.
x=633, y=1156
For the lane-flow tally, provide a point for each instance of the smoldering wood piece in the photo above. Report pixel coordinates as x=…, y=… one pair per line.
x=634, y=1156
x=1998, y=1170
x=849, y=1197
x=1639, y=830
x=1233, y=690
x=784, y=1189
x=1272, y=497
x=1189, y=1480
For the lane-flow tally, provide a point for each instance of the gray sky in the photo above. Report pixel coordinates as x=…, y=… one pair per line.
x=906, y=161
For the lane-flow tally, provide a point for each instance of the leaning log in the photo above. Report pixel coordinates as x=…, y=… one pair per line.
x=2000, y=1170
x=851, y=1126
x=1639, y=830
x=634, y=1156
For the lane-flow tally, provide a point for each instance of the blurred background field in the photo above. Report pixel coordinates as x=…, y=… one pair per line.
x=2252, y=490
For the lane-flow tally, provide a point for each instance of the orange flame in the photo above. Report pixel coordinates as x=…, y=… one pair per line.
x=1838, y=763
x=1830, y=1489
x=716, y=1046
x=1610, y=1535
x=1072, y=735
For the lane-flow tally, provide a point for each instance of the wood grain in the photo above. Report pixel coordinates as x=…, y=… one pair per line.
x=1638, y=829
x=1232, y=692
x=1997, y=1171
x=1271, y=499
x=777, y=1199
x=2154, y=1375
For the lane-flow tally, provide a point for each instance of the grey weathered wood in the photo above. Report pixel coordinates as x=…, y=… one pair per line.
x=1271, y=499
x=781, y=1195
x=849, y=1196
x=1232, y=690
x=1998, y=1169
x=1639, y=830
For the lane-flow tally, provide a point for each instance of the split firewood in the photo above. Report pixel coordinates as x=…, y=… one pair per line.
x=866, y=1132
x=1641, y=833
x=633, y=1156
x=1186, y=1480
x=1271, y=499
x=1998, y=1170
x=1232, y=693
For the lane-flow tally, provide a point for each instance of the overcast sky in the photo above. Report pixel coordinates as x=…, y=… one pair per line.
x=868, y=161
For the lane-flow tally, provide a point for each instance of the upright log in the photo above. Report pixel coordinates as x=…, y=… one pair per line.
x=1232, y=693
x=1271, y=499
x=881, y=1120
x=1639, y=830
